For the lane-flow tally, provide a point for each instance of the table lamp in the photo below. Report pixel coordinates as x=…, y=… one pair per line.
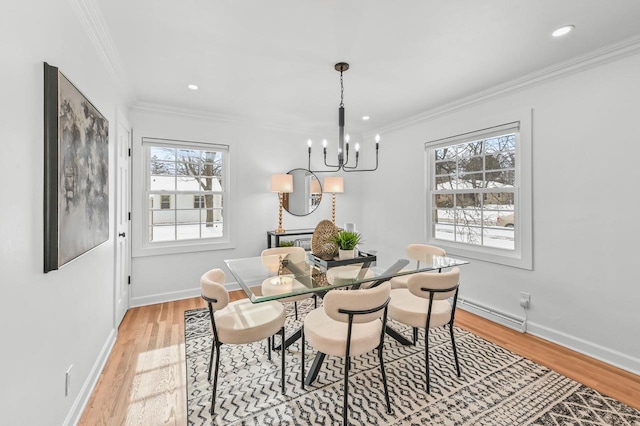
x=281, y=184
x=333, y=185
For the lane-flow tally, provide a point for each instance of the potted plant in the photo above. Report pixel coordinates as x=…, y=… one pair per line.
x=347, y=242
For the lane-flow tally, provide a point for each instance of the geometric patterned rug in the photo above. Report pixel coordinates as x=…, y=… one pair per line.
x=497, y=387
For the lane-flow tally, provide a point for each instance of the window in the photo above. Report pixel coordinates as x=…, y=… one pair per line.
x=475, y=202
x=185, y=192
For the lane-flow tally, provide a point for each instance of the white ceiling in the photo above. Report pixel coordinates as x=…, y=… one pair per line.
x=273, y=61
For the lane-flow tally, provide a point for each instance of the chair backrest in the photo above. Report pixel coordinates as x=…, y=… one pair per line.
x=357, y=300
x=213, y=289
x=423, y=252
x=434, y=282
x=271, y=256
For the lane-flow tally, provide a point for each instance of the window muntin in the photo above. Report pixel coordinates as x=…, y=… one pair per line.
x=185, y=191
x=472, y=186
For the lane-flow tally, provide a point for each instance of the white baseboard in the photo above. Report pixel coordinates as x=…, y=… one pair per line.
x=173, y=296
x=79, y=404
x=595, y=351
x=518, y=324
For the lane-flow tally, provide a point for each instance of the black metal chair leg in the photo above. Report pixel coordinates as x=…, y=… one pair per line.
x=295, y=308
x=213, y=347
x=415, y=335
x=347, y=363
x=426, y=355
x=269, y=348
x=384, y=379
x=455, y=352
x=302, y=373
x=215, y=381
x=282, y=360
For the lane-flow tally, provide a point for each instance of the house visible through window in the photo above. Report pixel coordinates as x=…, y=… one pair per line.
x=185, y=190
x=473, y=193
x=165, y=202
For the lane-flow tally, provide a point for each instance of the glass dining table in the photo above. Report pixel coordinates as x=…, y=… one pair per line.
x=274, y=277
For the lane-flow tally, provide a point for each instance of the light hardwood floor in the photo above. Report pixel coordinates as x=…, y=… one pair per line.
x=143, y=382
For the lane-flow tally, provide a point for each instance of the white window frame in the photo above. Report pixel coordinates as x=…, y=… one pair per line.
x=522, y=255
x=141, y=244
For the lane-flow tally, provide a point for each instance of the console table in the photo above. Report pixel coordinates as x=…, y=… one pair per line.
x=271, y=235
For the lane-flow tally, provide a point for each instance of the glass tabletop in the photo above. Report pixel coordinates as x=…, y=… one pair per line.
x=274, y=277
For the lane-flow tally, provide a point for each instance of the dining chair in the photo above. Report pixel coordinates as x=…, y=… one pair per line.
x=421, y=253
x=424, y=304
x=293, y=254
x=350, y=323
x=238, y=322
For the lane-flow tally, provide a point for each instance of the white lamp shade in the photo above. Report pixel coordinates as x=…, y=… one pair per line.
x=315, y=186
x=333, y=184
x=282, y=183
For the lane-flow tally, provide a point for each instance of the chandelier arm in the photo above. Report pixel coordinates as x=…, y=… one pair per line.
x=353, y=169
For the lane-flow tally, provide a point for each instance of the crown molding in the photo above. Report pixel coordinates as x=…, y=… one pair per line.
x=92, y=21
x=628, y=47
x=221, y=118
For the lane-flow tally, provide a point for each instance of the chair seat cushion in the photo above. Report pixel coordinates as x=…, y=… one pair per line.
x=284, y=284
x=245, y=322
x=412, y=310
x=399, y=282
x=330, y=336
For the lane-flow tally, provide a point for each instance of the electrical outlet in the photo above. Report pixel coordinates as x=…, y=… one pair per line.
x=67, y=381
x=525, y=300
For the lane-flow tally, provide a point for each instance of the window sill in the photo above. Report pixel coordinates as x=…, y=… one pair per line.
x=160, y=249
x=487, y=254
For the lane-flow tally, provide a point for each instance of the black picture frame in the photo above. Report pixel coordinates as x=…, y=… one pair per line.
x=76, y=172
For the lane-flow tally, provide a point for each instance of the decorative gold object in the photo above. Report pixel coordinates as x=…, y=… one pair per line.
x=322, y=244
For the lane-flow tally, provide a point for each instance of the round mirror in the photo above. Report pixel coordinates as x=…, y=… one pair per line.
x=306, y=195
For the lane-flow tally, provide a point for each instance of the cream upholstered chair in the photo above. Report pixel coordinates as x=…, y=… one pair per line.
x=238, y=322
x=424, y=304
x=421, y=253
x=294, y=254
x=350, y=323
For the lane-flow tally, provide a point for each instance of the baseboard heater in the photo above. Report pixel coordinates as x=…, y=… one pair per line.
x=517, y=324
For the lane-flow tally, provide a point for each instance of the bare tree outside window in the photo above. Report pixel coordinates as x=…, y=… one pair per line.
x=473, y=186
x=194, y=179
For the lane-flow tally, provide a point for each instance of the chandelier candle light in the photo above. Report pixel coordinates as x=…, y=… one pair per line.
x=281, y=184
x=343, y=140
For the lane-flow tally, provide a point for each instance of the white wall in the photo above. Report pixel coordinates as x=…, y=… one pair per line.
x=49, y=321
x=256, y=154
x=584, y=285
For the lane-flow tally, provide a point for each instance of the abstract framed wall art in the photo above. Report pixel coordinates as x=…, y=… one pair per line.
x=76, y=172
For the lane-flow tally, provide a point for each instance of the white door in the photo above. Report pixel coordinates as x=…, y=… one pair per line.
x=122, y=226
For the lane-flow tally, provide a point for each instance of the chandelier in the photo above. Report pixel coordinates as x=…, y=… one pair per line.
x=343, y=140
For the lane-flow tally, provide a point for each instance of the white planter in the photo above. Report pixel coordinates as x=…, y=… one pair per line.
x=346, y=254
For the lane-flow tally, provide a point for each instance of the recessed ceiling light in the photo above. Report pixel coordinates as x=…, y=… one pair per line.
x=365, y=117
x=563, y=31
x=192, y=86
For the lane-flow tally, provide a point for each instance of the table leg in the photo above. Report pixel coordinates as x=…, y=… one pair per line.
x=289, y=340
x=399, y=337
x=315, y=368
